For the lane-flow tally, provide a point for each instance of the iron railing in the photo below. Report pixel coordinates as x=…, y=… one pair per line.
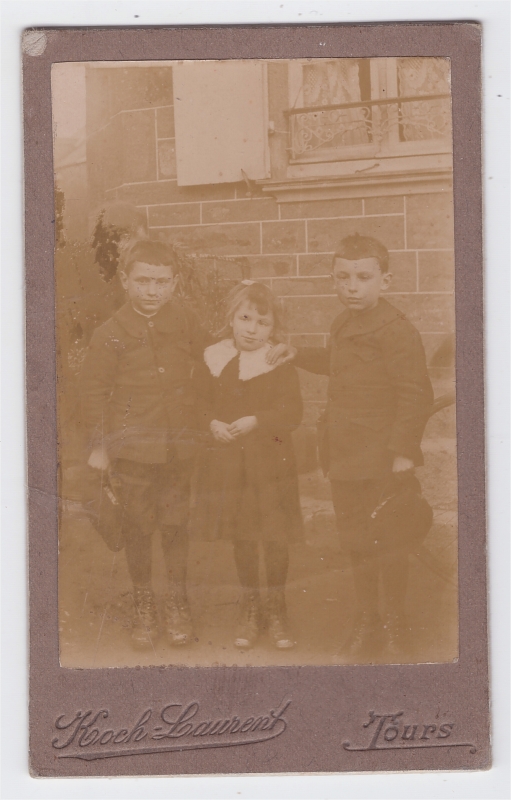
x=378, y=122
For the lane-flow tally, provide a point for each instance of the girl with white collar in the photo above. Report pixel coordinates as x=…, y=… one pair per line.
x=248, y=485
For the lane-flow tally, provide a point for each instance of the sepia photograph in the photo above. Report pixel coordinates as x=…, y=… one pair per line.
x=255, y=328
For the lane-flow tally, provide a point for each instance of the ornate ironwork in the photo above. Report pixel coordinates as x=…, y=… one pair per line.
x=379, y=122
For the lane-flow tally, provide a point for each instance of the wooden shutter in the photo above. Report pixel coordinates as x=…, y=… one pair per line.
x=221, y=121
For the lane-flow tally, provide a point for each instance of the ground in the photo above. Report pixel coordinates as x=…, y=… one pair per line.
x=95, y=599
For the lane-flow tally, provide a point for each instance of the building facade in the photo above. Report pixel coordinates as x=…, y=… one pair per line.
x=267, y=166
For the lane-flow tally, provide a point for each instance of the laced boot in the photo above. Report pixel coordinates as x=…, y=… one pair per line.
x=178, y=618
x=397, y=631
x=365, y=640
x=144, y=631
x=277, y=620
x=249, y=620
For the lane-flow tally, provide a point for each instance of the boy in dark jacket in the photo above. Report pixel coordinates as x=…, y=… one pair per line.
x=379, y=400
x=139, y=414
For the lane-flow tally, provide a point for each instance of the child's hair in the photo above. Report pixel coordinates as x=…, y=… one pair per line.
x=261, y=297
x=149, y=251
x=356, y=247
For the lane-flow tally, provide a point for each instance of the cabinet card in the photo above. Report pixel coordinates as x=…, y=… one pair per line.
x=255, y=400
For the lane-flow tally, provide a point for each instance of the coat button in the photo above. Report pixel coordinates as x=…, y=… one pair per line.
x=151, y=324
x=161, y=369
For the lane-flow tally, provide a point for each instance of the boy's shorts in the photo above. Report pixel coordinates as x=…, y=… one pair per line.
x=153, y=495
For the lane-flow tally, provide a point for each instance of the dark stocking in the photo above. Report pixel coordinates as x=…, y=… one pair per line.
x=246, y=556
x=365, y=576
x=394, y=570
x=174, y=542
x=276, y=557
x=138, y=555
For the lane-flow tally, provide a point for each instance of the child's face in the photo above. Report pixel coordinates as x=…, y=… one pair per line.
x=251, y=330
x=148, y=286
x=359, y=283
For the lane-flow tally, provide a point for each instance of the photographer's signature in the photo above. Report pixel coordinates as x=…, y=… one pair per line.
x=89, y=736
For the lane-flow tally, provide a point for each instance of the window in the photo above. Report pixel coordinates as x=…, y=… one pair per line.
x=351, y=108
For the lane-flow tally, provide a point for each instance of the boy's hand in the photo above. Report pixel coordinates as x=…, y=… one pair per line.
x=402, y=465
x=281, y=353
x=220, y=431
x=98, y=459
x=243, y=426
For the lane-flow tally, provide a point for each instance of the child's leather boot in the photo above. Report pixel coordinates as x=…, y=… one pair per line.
x=277, y=620
x=249, y=620
x=144, y=631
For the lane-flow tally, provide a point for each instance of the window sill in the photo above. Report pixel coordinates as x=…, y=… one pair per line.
x=369, y=177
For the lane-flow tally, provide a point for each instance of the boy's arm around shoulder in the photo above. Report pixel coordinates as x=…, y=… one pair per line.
x=317, y=359
x=406, y=366
x=287, y=405
x=313, y=359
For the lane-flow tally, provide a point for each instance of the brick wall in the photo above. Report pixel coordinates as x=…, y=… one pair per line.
x=288, y=245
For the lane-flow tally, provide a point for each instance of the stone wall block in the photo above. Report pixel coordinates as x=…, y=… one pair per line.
x=436, y=271
x=403, y=267
x=325, y=235
x=165, y=128
x=384, y=205
x=241, y=211
x=272, y=266
x=302, y=286
x=167, y=191
x=321, y=208
x=283, y=237
x=218, y=239
x=226, y=270
x=320, y=264
x=428, y=312
x=429, y=221
x=139, y=146
x=167, y=159
x=175, y=214
x=310, y=314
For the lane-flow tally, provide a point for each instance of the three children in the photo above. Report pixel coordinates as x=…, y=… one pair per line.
x=142, y=409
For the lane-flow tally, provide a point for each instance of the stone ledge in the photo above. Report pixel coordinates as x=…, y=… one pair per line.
x=352, y=185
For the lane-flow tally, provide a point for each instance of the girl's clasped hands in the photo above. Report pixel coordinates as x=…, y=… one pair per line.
x=223, y=432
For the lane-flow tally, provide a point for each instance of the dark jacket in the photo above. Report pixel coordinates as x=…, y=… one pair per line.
x=248, y=489
x=379, y=394
x=136, y=383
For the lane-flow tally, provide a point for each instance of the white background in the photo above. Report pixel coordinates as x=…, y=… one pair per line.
x=495, y=18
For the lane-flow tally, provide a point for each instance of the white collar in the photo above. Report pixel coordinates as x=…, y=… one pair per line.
x=252, y=362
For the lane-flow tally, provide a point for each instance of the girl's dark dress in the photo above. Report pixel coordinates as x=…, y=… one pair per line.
x=248, y=489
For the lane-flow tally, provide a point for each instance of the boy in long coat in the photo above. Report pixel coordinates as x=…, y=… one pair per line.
x=379, y=400
x=140, y=419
